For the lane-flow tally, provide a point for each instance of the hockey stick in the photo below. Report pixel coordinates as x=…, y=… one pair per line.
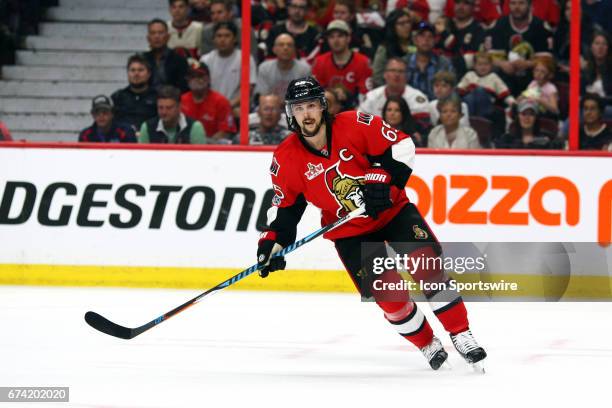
x=104, y=325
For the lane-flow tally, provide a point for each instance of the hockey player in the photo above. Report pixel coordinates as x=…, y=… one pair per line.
x=338, y=164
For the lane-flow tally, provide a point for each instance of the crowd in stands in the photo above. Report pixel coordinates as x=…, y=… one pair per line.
x=460, y=74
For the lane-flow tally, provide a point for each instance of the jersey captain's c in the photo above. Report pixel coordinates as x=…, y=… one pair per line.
x=331, y=179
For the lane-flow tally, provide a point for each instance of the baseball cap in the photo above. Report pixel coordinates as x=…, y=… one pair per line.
x=526, y=104
x=101, y=102
x=425, y=26
x=339, y=25
x=197, y=68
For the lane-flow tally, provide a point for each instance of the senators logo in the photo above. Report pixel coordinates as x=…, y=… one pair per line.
x=346, y=190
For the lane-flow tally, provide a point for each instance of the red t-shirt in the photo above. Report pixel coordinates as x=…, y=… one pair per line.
x=418, y=6
x=352, y=76
x=214, y=112
x=332, y=182
x=485, y=11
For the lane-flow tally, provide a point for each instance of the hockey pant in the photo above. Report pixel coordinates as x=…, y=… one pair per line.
x=409, y=234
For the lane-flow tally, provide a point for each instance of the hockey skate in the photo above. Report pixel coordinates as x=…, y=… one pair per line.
x=466, y=345
x=435, y=353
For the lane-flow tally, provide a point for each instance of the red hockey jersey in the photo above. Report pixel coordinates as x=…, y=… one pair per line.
x=353, y=76
x=332, y=182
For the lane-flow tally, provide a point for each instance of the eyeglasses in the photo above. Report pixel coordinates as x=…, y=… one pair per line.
x=403, y=22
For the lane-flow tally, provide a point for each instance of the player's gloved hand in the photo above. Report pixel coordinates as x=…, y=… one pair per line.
x=377, y=191
x=267, y=247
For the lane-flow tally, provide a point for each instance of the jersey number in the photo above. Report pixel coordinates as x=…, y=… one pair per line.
x=388, y=132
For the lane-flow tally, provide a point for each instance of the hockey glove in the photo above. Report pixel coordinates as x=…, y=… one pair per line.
x=377, y=191
x=267, y=247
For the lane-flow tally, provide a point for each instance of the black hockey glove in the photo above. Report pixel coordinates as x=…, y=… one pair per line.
x=377, y=191
x=267, y=247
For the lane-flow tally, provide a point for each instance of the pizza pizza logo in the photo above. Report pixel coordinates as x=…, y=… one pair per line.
x=345, y=189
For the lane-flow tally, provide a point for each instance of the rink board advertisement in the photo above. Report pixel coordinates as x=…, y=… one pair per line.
x=192, y=218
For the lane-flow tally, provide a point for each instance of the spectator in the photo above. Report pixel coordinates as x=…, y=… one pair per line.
x=185, y=34
x=264, y=15
x=273, y=76
x=395, y=79
x=443, y=39
x=563, y=39
x=221, y=12
x=167, y=66
x=525, y=132
x=171, y=125
x=209, y=107
x=515, y=39
x=304, y=34
x=397, y=114
x=341, y=67
x=594, y=133
x=546, y=10
x=8, y=44
x=224, y=63
x=105, y=128
x=333, y=104
x=138, y=101
x=419, y=9
x=272, y=11
x=450, y=134
x=482, y=88
x=361, y=41
x=599, y=12
x=597, y=72
x=200, y=11
x=468, y=36
x=436, y=9
x=444, y=87
x=269, y=130
x=398, y=43
x=541, y=89
x=485, y=11
x=5, y=135
x=423, y=64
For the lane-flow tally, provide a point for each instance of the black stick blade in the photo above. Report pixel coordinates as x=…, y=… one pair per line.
x=104, y=325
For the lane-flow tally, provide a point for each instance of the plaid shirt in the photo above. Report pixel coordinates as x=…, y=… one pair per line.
x=423, y=80
x=273, y=137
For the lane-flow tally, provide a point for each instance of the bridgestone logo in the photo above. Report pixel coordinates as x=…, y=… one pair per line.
x=127, y=206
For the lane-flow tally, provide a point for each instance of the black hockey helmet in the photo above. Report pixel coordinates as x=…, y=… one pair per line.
x=300, y=90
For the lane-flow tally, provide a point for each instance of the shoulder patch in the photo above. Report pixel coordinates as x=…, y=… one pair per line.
x=364, y=118
x=420, y=99
x=274, y=167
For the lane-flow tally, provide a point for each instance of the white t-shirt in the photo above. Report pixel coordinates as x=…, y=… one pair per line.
x=466, y=138
x=190, y=37
x=271, y=80
x=436, y=9
x=225, y=72
x=435, y=114
x=416, y=100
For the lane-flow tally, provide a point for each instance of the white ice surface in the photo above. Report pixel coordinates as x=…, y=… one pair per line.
x=259, y=349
